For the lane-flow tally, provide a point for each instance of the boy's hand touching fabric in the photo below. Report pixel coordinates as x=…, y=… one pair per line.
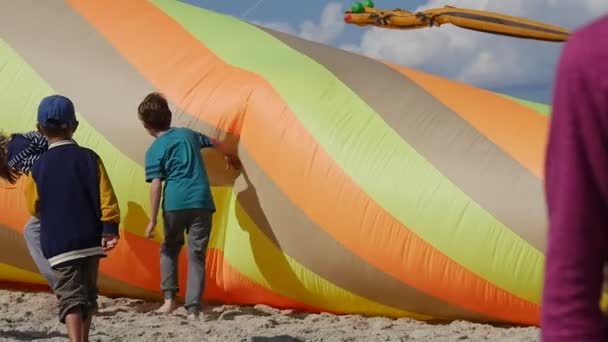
x=150, y=230
x=232, y=161
x=108, y=242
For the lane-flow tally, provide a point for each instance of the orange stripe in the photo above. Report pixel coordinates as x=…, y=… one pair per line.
x=152, y=40
x=134, y=262
x=13, y=212
x=224, y=284
x=130, y=262
x=186, y=88
x=358, y=220
x=517, y=129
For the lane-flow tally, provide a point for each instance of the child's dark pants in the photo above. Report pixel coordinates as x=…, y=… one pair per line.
x=197, y=223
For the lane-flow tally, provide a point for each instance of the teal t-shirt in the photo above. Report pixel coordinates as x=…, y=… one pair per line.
x=175, y=157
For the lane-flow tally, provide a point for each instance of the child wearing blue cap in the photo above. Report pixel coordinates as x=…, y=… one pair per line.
x=17, y=154
x=68, y=189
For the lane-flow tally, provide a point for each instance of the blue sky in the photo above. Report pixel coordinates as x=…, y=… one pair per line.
x=516, y=67
x=286, y=10
x=292, y=11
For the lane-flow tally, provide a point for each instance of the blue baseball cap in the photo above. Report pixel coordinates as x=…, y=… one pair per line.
x=58, y=111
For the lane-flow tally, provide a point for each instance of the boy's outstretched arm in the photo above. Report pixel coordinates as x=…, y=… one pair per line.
x=110, y=211
x=206, y=142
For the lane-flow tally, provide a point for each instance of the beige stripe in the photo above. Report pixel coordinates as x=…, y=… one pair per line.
x=84, y=52
x=79, y=63
x=291, y=230
x=14, y=252
x=477, y=166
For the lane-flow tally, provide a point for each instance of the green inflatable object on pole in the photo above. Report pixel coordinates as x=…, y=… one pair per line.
x=368, y=3
x=357, y=7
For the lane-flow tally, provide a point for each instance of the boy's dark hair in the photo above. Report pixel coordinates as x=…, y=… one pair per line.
x=154, y=112
x=55, y=129
x=6, y=172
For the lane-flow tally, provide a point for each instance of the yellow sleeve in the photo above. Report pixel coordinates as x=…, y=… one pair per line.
x=110, y=212
x=31, y=195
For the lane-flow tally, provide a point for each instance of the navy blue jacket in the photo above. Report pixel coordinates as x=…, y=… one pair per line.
x=69, y=190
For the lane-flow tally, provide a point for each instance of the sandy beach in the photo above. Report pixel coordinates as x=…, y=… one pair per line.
x=31, y=316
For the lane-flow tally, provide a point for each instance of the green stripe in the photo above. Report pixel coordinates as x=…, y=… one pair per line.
x=412, y=190
x=21, y=90
x=248, y=250
x=538, y=107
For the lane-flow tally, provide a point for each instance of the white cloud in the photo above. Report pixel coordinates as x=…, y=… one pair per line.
x=330, y=26
x=485, y=60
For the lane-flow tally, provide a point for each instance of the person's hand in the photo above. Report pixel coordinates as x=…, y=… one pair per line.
x=150, y=230
x=108, y=242
x=232, y=161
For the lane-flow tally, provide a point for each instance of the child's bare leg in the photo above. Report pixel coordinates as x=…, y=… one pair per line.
x=74, y=325
x=86, y=327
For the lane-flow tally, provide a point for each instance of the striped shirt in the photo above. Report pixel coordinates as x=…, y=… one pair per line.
x=24, y=149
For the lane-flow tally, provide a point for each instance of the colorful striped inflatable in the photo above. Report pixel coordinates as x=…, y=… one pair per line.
x=367, y=188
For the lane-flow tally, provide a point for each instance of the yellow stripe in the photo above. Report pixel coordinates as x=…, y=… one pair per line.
x=11, y=273
x=264, y=263
x=248, y=250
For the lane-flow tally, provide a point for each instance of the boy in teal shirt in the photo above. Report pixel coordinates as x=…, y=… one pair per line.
x=175, y=159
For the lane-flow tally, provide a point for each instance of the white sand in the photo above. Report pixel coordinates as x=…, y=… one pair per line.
x=32, y=317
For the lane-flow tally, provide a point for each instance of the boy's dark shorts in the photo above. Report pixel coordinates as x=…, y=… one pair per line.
x=77, y=286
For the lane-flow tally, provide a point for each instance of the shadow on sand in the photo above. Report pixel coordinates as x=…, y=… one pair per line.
x=30, y=335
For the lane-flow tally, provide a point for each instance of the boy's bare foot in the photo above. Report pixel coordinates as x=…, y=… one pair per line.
x=169, y=306
x=193, y=315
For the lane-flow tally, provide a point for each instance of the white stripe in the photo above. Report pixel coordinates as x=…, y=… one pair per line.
x=73, y=255
x=60, y=143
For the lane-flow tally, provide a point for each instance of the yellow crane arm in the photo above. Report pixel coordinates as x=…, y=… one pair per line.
x=362, y=14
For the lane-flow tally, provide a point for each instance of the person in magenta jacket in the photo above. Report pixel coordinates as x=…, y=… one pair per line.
x=576, y=177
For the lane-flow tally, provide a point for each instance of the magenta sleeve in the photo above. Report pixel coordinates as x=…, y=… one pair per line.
x=576, y=179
